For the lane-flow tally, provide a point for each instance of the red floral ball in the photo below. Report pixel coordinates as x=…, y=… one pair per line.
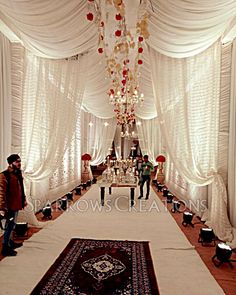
x=140, y=61
x=140, y=38
x=90, y=16
x=100, y=50
x=140, y=50
x=118, y=16
x=118, y=33
x=124, y=72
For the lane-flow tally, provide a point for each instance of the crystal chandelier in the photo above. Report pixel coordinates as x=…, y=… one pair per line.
x=128, y=131
x=124, y=105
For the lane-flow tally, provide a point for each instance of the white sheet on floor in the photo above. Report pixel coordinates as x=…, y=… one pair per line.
x=178, y=267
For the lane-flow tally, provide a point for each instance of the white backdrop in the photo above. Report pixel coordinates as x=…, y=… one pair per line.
x=60, y=29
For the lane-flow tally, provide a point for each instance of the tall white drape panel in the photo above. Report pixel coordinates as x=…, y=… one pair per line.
x=17, y=74
x=232, y=142
x=197, y=195
x=182, y=28
x=127, y=147
x=5, y=100
x=187, y=103
x=117, y=141
x=67, y=175
x=225, y=87
x=52, y=100
x=150, y=139
x=97, y=137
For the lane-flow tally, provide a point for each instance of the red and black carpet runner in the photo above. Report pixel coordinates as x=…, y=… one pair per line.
x=100, y=267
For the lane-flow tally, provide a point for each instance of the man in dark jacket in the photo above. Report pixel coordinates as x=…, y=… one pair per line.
x=146, y=170
x=12, y=199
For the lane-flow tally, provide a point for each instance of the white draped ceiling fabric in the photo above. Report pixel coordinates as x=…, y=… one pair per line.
x=185, y=31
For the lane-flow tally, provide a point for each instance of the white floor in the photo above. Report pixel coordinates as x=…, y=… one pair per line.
x=178, y=267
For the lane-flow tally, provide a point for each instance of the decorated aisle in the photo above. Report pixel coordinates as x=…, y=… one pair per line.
x=178, y=268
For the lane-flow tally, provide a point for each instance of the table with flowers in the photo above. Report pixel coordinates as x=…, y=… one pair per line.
x=119, y=174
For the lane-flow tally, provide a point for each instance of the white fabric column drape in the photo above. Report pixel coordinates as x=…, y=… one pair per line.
x=5, y=101
x=232, y=142
x=150, y=139
x=97, y=137
x=17, y=74
x=117, y=141
x=127, y=147
x=225, y=81
x=187, y=103
x=197, y=195
x=52, y=99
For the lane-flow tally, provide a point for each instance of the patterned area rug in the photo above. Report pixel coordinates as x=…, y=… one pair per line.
x=97, y=267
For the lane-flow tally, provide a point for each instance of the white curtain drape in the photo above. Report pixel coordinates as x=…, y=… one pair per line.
x=232, y=142
x=96, y=100
x=182, y=28
x=196, y=197
x=147, y=109
x=150, y=139
x=187, y=103
x=97, y=137
x=224, y=121
x=117, y=141
x=5, y=101
x=52, y=99
x=17, y=74
x=127, y=147
x=54, y=29
x=178, y=28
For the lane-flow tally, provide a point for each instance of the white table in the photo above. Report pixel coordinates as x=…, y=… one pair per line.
x=103, y=184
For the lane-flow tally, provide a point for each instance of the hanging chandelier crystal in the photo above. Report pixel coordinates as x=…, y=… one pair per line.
x=128, y=131
x=122, y=49
x=124, y=105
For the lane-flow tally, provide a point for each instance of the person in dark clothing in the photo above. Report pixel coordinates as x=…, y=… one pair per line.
x=146, y=170
x=12, y=199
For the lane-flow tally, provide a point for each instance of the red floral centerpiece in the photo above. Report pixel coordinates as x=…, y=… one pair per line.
x=86, y=157
x=160, y=175
x=160, y=159
x=86, y=171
